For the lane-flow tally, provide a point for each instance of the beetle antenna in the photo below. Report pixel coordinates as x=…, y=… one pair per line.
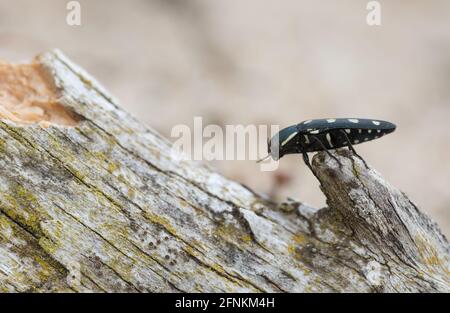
x=264, y=158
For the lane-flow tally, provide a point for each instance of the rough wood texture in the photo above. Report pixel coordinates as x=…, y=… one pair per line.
x=105, y=206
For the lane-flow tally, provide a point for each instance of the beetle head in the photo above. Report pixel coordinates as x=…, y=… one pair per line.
x=273, y=147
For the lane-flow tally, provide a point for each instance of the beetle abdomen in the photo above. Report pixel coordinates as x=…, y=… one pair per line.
x=343, y=123
x=335, y=133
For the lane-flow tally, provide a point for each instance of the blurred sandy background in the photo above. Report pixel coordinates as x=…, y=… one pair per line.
x=268, y=62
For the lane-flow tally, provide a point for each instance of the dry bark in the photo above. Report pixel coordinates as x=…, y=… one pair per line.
x=105, y=206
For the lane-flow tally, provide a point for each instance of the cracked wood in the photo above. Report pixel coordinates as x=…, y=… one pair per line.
x=105, y=206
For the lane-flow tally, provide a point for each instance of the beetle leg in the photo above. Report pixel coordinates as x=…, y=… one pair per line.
x=350, y=147
x=326, y=150
x=308, y=164
x=306, y=160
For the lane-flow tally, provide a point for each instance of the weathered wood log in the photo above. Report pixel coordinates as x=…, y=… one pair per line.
x=96, y=201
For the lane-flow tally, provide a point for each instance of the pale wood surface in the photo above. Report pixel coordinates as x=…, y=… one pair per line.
x=106, y=206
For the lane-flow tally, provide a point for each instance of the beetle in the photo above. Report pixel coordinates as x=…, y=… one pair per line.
x=324, y=135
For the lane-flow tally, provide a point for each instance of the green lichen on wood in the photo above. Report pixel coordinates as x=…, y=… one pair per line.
x=107, y=196
x=22, y=205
